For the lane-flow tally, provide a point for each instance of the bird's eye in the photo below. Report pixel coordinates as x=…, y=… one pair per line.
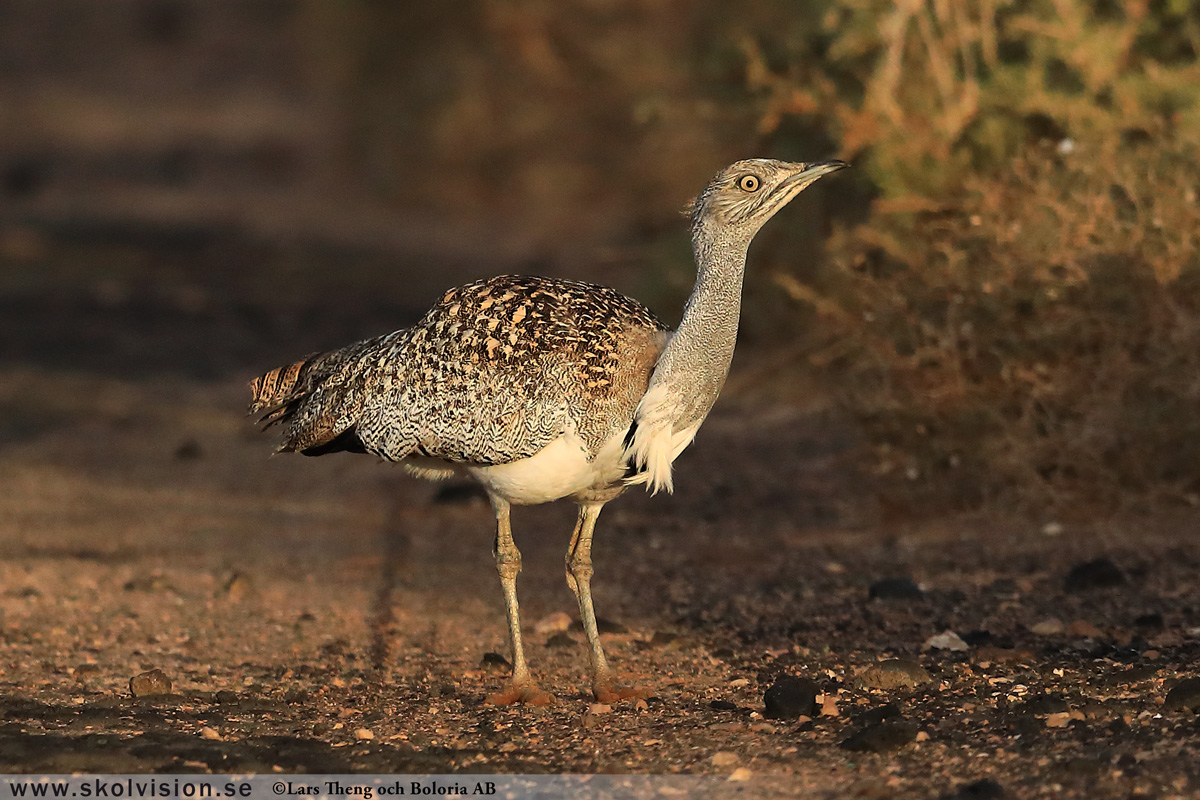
x=749, y=183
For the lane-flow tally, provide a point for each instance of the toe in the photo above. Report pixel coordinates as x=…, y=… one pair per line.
x=526, y=694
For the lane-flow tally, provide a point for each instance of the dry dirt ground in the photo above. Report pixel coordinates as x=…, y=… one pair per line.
x=331, y=615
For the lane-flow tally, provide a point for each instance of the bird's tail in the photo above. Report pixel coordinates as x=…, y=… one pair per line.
x=277, y=394
x=314, y=398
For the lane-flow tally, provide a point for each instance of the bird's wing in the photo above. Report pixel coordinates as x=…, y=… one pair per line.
x=500, y=368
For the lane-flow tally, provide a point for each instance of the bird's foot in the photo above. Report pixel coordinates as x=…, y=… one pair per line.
x=608, y=691
x=525, y=692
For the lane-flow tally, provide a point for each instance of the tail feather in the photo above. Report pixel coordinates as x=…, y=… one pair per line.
x=277, y=394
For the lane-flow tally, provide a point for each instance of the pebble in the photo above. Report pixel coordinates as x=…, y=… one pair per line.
x=560, y=640
x=982, y=789
x=892, y=674
x=492, y=660
x=903, y=588
x=722, y=705
x=363, y=735
x=557, y=622
x=829, y=706
x=740, y=774
x=599, y=708
x=876, y=715
x=1083, y=629
x=1044, y=704
x=1185, y=694
x=881, y=737
x=724, y=758
x=946, y=640
x=150, y=683
x=1049, y=627
x=1100, y=573
x=210, y=734
x=790, y=697
x=226, y=696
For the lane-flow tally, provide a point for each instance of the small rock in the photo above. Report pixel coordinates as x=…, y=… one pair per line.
x=724, y=758
x=84, y=670
x=922, y=736
x=210, y=734
x=1151, y=621
x=640, y=704
x=599, y=708
x=740, y=774
x=237, y=586
x=1082, y=629
x=892, y=674
x=1100, y=573
x=663, y=638
x=895, y=589
x=1042, y=704
x=363, y=735
x=150, y=683
x=946, y=640
x=1049, y=627
x=881, y=737
x=1058, y=720
x=602, y=626
x=982, y=789
x=790, y=697
x=722, y=705
x=1185, y=694
x=560, y=640
x=876, y=715
x=494, y=661
x=188, y=450
x=226, y=696
x=829, y=706
x=554, y=623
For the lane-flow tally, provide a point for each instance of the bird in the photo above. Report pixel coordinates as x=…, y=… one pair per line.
x=542, y=389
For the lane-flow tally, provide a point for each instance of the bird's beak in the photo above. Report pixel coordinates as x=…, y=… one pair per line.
x=810, y=172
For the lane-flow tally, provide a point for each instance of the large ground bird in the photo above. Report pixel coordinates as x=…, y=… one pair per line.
x=542, y=389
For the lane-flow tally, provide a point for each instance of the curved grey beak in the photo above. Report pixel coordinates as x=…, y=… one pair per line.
x=819, y=168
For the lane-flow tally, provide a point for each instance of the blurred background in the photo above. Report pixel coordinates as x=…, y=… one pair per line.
x=1000, y=303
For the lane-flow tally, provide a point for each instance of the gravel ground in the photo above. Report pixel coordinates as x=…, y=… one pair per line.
x=174, y=600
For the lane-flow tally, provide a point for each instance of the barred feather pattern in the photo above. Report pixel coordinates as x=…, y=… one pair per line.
x=490, y=375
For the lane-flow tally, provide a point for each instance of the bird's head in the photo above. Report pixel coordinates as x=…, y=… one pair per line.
x=746, y=194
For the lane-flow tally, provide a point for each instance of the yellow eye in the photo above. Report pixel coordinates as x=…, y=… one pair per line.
x=749, y=183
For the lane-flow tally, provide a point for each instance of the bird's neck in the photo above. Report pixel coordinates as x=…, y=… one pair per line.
x=696, y=360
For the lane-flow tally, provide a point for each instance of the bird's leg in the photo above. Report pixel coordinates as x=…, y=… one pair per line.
x=508, y=564
x=579, y=578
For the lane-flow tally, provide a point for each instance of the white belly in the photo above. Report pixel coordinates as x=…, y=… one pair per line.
x=560, y=469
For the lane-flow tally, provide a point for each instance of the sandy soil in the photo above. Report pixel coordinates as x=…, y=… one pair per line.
x=331, y=615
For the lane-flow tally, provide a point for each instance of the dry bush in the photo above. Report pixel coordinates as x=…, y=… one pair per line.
x=1019, y=319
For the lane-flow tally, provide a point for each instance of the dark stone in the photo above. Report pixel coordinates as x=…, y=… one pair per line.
x=602, y=626
x=873, y=716
x=896, y=589
x=1185, y=694
x=881, y=737
x=560, y=639
x=722, y=705
x=790, y=697
x=493, y=660
x=226, y=696
x=188, y=450
x=982, y=789
x=1100, y=573
x=1044, y=704
x=1152, y=621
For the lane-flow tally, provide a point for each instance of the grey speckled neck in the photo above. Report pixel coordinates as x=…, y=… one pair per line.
x=696, y=361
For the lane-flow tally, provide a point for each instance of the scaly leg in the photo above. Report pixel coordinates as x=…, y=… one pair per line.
x=579, y=578
x=508, y=563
